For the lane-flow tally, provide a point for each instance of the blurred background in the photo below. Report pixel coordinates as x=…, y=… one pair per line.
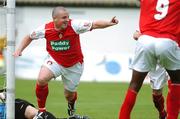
x=107, y=52
x=107, y=55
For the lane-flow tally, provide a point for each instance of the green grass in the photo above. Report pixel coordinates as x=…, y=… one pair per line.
x=97, y=100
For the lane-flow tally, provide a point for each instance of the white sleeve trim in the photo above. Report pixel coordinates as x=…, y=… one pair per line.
x=38, y=33
x=81, y=26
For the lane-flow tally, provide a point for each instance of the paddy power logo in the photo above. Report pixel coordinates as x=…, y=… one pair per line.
x=61, y=45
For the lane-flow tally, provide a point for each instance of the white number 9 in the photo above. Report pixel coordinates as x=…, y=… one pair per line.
x=162, y=7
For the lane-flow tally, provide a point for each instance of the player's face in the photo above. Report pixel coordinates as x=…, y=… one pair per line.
x=62, y=19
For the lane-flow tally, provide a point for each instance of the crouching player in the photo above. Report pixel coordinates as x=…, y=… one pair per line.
x=26, y=110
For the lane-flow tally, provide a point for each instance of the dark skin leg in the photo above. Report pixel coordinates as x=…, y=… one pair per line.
x=174, y=76
x=137, y=80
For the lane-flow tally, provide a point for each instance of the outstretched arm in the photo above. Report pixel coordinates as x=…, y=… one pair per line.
x=25, y=42
x=103, y=23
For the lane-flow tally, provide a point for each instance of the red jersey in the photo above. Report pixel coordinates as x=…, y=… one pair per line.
x=178, y=37
x=160, y=18
x=178, y=40
x=63, y=45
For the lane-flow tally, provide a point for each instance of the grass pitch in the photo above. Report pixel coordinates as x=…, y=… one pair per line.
x=97, y=100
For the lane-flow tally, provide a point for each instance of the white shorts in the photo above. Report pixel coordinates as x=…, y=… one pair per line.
x=70, y=75
x=158, y=78
x=149, y=50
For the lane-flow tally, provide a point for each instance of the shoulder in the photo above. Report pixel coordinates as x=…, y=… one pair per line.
x=49, y=24
x=81, y=26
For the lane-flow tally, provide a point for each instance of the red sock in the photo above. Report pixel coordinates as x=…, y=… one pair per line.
x=41, y=94
x=173, y=101
x=167, y=98
x=128, y=104
x=72, y=102
x=169, y=84
x=159, y=104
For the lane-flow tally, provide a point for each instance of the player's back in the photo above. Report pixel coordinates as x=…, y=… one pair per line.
x=160, y=18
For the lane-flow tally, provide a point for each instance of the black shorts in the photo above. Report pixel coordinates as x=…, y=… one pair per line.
x=20, y=107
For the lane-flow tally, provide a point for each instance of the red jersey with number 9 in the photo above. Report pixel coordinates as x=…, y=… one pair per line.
x=160, y=20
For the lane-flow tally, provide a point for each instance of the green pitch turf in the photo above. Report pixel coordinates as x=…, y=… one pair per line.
x=97, y=100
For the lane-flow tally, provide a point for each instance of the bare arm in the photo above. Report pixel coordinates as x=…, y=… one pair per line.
x=25, y=42
x=103, y=24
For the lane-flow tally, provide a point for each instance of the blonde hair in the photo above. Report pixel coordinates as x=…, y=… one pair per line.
x=56, y=10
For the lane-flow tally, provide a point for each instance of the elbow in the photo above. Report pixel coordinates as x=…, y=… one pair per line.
x=96, y=25
x=28, y=38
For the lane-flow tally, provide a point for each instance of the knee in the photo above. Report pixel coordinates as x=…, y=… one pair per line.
x=41, y=81
x=157, y=91
x=135, y=87
x=175, y=81
x=137, y=80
